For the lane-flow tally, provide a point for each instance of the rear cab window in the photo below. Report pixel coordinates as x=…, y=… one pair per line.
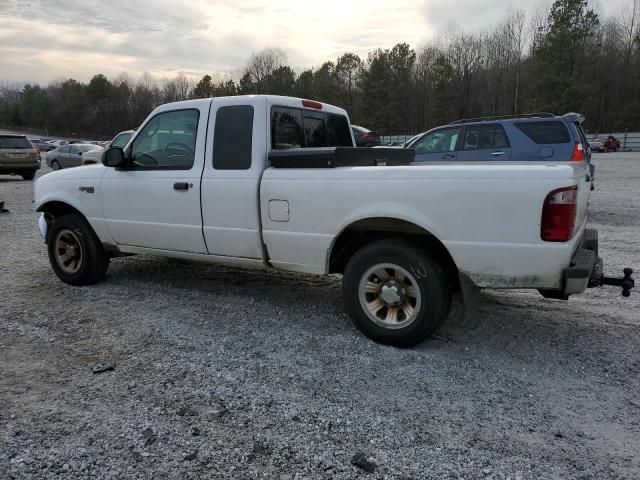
x=302, y=128
x=545, y=133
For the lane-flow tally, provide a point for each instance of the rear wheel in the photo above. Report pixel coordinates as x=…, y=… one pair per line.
x=75, y=252
x=55, y=165
x=395, y=293
x=30, y=175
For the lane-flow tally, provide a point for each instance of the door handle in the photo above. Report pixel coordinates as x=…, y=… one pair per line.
x=497, y=154
x=181, y=186
x=448, y=155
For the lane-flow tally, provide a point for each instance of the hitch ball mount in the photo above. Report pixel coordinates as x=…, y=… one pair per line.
x=626, y=282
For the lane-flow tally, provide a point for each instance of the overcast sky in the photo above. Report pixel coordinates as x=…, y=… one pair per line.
x=41, y=40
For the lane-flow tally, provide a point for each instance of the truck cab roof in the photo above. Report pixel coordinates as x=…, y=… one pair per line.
x=276, y=100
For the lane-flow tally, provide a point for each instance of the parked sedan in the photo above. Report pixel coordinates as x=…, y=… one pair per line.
x=365, y=137
x=69, y=155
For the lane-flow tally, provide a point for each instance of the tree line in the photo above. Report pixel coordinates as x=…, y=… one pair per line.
x=564, y=57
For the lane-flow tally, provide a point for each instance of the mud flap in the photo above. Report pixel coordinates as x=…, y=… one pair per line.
x=471, y=296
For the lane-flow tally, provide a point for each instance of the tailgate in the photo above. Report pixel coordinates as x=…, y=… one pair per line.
x=582, y=175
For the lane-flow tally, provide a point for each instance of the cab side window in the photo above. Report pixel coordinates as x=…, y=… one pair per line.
x=232, y=138
x=166, y=142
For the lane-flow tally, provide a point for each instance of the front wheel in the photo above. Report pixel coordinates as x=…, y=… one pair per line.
x=395, y=293
x=75, y=252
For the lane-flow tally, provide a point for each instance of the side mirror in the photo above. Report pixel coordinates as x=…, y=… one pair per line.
x=114, y=157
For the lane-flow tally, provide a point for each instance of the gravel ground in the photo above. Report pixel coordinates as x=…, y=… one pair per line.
x=232, y=373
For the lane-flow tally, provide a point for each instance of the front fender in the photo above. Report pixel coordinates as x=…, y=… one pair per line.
x=73, y=195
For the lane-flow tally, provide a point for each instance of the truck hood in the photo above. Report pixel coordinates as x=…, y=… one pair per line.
x=88, y=172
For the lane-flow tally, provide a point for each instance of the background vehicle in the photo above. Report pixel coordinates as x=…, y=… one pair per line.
x=18, y=156
x=41, y=144
x=365, y=137
x=56, y=143
x=207, y=180
x=69, y=155
x=95, y=156
x=597, y=144
x=531, y=137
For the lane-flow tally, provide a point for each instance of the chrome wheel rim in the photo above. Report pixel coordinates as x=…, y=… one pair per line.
x=67, y=251
x=390, y=296
x=55, y=165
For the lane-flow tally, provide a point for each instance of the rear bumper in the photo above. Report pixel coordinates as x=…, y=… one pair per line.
x=585, y=269
x=19, y=167
x=586, y=265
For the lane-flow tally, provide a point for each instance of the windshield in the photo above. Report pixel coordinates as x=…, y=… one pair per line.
x=412, y=140
x=17, y=143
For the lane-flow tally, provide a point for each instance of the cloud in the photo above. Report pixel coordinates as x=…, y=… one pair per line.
x=464, y=14
x=45, y=39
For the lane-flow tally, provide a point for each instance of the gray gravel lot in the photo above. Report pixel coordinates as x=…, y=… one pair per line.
x=231, y=373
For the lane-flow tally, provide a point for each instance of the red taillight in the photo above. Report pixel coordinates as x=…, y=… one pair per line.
x=559, y=215
x=311, y=104
x=578, y=153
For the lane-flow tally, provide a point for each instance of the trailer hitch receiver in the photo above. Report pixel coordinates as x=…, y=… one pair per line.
x=627, y=282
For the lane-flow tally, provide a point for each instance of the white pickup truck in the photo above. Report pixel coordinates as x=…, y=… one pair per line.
x=220, y=180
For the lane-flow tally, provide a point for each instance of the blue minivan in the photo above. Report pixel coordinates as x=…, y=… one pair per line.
x=531, y=137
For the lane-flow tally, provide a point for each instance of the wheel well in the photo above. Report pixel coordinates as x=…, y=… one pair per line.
x=56, y=209
x=363, y=232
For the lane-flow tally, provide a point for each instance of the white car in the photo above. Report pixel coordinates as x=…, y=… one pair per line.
x=95, y=156
x=227, y=180
x=56, y=143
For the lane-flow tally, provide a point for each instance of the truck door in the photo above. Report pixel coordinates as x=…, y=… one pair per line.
x=155, y=202
x=235, y=159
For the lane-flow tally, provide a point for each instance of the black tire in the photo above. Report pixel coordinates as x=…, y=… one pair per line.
x=29, y=175
x=55, y=165
x=92, y=263
x=423, y=271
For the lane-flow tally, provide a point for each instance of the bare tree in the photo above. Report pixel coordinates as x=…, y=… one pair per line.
x=630, y=21
x=178, y=88
x=262, y=64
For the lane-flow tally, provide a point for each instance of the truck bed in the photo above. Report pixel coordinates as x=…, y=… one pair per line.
x=331, y=157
